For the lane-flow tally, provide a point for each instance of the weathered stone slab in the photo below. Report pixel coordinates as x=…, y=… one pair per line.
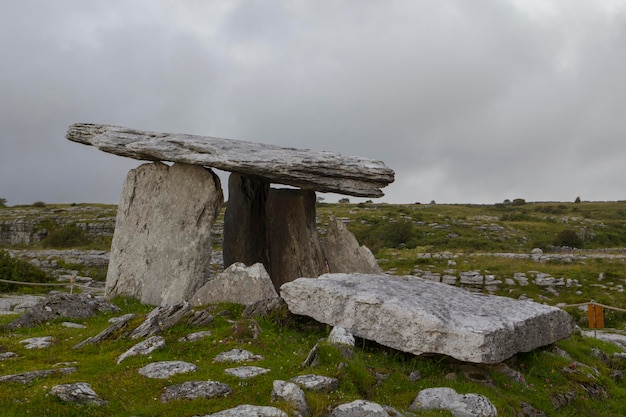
x=166, y=369
x=420, y=316
x=321, y=171
x=195, y=389
x=161, y=250
x=143, y=348
x=460, y=405
x=237, y=284
x=294, y=249
x=247, y=410
x=79, y=392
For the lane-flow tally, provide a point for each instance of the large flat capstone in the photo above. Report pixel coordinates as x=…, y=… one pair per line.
x=304, y=168
x=419, y=316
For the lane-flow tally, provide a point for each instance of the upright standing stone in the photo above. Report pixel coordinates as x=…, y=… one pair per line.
x=293, y=245
x=245, y=232
x=343, y=253
x=162, y=242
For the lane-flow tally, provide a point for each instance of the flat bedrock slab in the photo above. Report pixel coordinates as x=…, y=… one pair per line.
x=419, y=316
x=321, y=171
x=166, y=369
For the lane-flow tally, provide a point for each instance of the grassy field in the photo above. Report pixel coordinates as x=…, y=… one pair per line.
x=405, y=239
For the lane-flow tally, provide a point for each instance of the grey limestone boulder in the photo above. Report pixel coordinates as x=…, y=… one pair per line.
x=165, y=369
x=291, y=393
x=316, y=382
x=419, y=316
x=238, y=284
x=460, y=405
x=161, y=249
x=247, y=410
x=195, y=389
x=237, y=356
x=79, y=392
x=343, y=252
x=359, y=408
x=246, y=372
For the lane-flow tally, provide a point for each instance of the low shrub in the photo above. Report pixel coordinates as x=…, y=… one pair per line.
x=13, y=269
x=67, y=236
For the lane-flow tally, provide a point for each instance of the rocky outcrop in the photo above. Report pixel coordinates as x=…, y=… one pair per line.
x=418, y=316
x=321, y=171
x=161, y=248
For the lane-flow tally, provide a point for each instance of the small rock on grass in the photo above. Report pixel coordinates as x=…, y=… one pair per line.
x=250, y=411
x=143, y=348
x=165, y=369
x=237, y=356
x=195, y=389
x=79, y=392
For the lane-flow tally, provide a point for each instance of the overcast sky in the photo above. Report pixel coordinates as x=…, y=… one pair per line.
x=468, y=101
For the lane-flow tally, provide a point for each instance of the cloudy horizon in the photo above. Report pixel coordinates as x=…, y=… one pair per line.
x=469, y=102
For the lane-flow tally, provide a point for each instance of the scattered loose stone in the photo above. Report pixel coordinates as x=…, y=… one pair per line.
x=72, y=306
x=195, y=389
x=460, y=405
x=359, y=408
x=27, y=377
x=192, y=337
x=264, y=307
x=143, y=348
x=165, y=369
x=250, y=411
x=245, y=372
x=530, y=411
x=415, y=376
x=291, y=393
x=118, y=324
x=8, y=355
x=316, y=382
x=37, y=342
x=160, y=319
x=617, y=339
x=71, y=325
x=237, y=356
x=79, y=392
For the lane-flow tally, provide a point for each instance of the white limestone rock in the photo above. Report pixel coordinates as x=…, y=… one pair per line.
x=238, y=284
x=247, y=410
x=195, y=389
x=37, y=342
x=343, y=253
x=291, y=393
x=359, y=408
x=418, y=316
x=79, y=392
x=195, y=336
x=316, y=382
x=161, y=249
x=166, y=369
x=246, y=372
x=237, y=356
x=460, y=405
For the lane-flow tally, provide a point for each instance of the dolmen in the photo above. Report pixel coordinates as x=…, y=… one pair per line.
x=162, y=241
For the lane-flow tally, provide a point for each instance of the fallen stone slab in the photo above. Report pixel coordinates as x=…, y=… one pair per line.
x=28, y=377
x=419, y=316
x=321, y=171
x=166, y=369
x=143, y=348
x=160, y=319
x=195, y=389
x=79, y=392
x=460, y=405
x=246, y=372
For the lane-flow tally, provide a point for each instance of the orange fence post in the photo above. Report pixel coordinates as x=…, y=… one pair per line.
x=596, y=317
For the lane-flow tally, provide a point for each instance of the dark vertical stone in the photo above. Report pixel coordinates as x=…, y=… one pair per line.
x=245, y=231
x=294, y=249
